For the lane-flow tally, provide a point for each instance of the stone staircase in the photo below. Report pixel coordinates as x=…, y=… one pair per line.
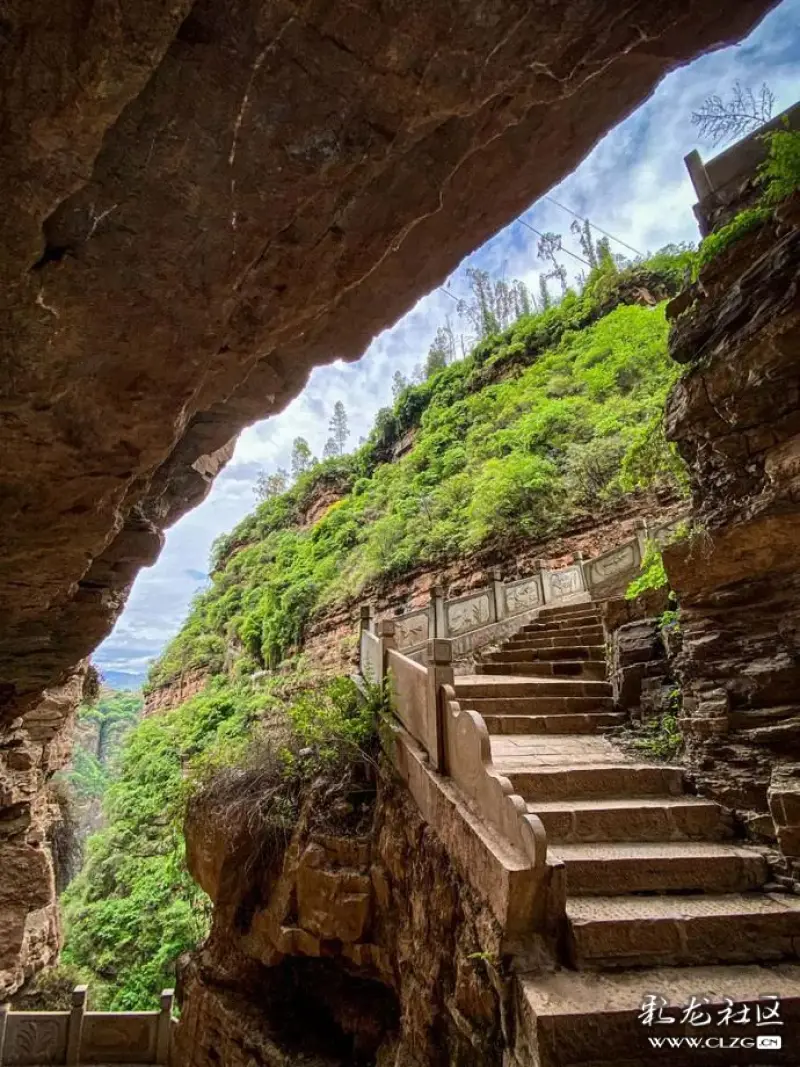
x=660, y=898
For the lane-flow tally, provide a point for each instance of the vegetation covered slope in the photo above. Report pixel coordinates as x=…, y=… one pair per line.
x=555, y=416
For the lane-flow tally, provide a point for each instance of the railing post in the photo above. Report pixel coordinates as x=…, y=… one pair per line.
x=438, y=615
x=699, y=175
x=640, y=525
x=164, y=1026
x=440, y=672
x=498, y=600
x=366, y=622
x=367, y=618
x=75, y=1025
x=543, y=570
x=4, y=1010
x=578, y=557
x=386, y=634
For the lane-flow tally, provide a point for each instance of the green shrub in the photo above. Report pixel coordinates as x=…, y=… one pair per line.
x=651, y=573
x=780, y=173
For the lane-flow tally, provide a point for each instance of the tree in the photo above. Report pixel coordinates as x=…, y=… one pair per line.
x=719, y=120
x=480, y=309
x=331, y=449
x=549, y=245
x=338, y=427
x=270, y=485
x=583, y=231
x=441, y=352
x=605, y=257
x=399, y=383
x=544, y=293
x=302, y=459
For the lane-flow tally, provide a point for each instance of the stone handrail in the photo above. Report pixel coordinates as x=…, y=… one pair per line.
x=456, y=741
x=468, y=761
x=79, y=1036
x=607, y=574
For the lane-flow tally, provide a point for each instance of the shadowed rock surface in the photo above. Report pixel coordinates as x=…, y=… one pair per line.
x=736, y=418
x=205, y=200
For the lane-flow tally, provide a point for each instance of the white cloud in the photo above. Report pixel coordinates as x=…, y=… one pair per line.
x=632, y=184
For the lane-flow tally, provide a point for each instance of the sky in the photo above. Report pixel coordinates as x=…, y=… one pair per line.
x=633, y=185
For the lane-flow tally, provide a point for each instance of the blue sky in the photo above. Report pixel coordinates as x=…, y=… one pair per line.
x=633, y=184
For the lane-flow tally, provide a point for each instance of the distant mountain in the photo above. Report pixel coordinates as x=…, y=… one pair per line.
x=122, y=680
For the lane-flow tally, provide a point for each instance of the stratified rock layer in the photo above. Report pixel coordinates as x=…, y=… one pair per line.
x=32, y=748
x=202, y=201
x=736, y=419
x=342, y=950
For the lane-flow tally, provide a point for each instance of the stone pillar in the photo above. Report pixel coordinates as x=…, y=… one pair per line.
x=164, y=1026
x=579, y=560
x=699, y=175
x=497, y=599
x=543, y=571
x=440, y=672
x=367, y=618
x=75, y=1025
x=386, y=634
x=642, y=535
x=437, y=617
x=366, y=622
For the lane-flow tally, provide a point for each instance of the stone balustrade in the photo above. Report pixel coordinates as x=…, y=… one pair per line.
x=78, y=1036
x=476, y=618
x=443, y=751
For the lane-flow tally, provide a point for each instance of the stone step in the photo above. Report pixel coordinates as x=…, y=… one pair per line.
x=586, y=723
x=590, y=635
x=559, y=611
x=535, y=705
x=646, y=818
x=483, y=685
x=533, y=655
x=670, y=866
x=554, y=669
x=554, y=626
x=586, y=1019
x=592, y=782
x=672, y=930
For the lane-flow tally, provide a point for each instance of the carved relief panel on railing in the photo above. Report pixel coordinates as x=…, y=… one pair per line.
x=564, y=583
x=468, y=613
x=39, y=1038
x=411, y=630
x=522, y=595
x=618, y=560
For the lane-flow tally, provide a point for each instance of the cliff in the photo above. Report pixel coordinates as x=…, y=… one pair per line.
x=32, y=748
x=359, y=945
x=735, y=418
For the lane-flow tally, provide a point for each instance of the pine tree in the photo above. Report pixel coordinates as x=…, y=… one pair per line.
x=338, y=427
x=544, y=293
x=302, y=459
x=583, y=231
x=330, y=450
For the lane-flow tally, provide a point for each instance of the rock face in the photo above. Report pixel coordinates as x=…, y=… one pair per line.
x=204, y=200
x=31, y=749
x=736, y=419
x=347, y=948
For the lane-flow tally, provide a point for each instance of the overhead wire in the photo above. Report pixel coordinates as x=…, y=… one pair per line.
x=594, y=226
